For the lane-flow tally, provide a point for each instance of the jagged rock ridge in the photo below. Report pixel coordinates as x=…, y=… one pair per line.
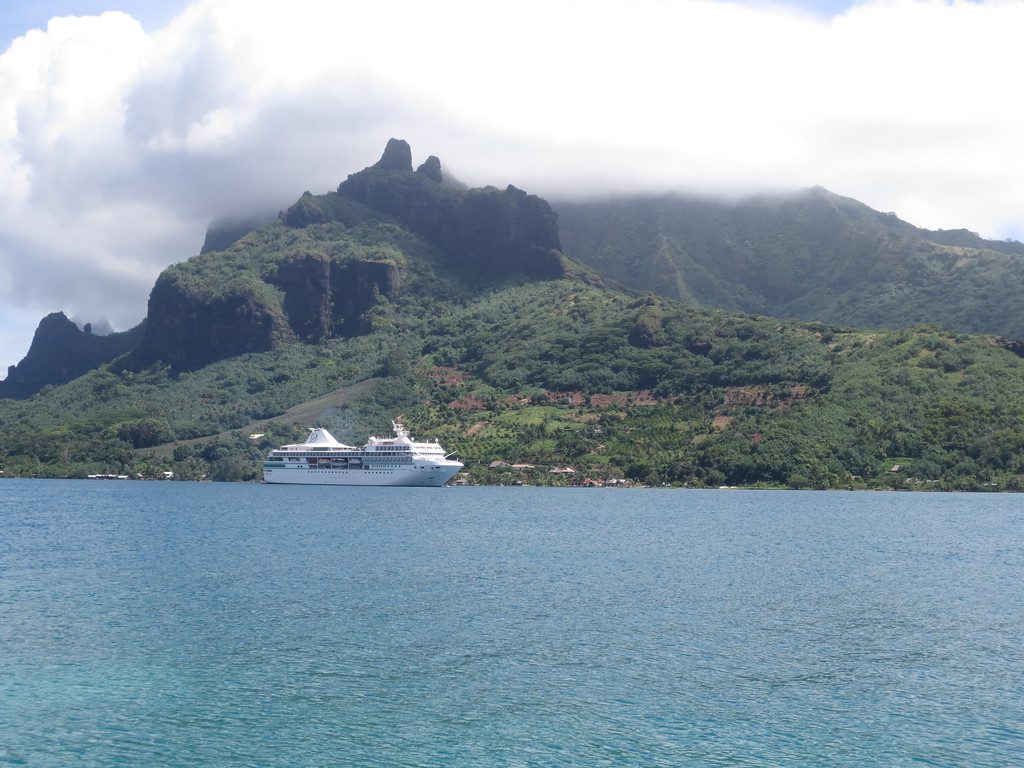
x=397, y=156
x=311, y=297
x=187, y=330
x=488, y=231
x=431, y=168
x=322, y=298
x=60, y=352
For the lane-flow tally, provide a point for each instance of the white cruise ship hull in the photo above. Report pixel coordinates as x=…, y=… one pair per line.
x=432, y=477
x=397, y=461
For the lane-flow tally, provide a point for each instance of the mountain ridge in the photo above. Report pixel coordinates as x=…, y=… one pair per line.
x=466, y=319
x=313, y=278
x=810, y=255
x=841, y=261
x=60, y=352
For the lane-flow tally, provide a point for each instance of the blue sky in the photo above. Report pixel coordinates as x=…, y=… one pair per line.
x=19, y=16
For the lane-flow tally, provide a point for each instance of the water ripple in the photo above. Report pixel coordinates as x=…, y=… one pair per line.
x=237, y=625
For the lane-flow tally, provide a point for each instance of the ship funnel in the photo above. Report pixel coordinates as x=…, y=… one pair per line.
x=319, y=435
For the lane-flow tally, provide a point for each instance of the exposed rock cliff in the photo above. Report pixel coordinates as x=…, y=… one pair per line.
x=306, y=283
x=308, y=297
x=397, y=156
x=61, y=352
x=325, y=298
x=488, y=231
x=506, y=231
x=431, y=168
x=188, y=330
x=280, y=288
x=356, y=286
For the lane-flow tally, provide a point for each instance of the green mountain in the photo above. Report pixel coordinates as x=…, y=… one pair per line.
x=404, y=294
x=60, y=352
x=387, y=234
x=812, y=256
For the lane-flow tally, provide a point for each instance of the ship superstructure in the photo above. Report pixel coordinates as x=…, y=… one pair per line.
x=398, y=460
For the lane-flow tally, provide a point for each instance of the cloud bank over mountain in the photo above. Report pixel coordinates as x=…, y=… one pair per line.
x=118, y=146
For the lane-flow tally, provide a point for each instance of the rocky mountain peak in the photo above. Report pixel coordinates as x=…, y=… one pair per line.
x=431, y=168
x=397, y=156
x=488, y=231
x=61, y=352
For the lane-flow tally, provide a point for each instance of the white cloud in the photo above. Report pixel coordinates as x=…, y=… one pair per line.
x=117, y=146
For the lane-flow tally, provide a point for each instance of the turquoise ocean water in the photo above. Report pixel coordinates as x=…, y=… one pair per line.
x=177, y=624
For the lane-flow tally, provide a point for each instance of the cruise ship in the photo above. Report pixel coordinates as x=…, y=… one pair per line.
x=322, y=460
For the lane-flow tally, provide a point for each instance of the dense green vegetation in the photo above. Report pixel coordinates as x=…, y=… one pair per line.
x=348, y=315
x=810, y=256
x=556, y=373
x=353, y=231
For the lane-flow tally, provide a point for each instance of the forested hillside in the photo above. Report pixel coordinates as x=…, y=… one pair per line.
x=560, y=373
x=404, y=295
x=811, y=255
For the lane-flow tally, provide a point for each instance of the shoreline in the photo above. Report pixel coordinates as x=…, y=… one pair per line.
x=615, y=487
